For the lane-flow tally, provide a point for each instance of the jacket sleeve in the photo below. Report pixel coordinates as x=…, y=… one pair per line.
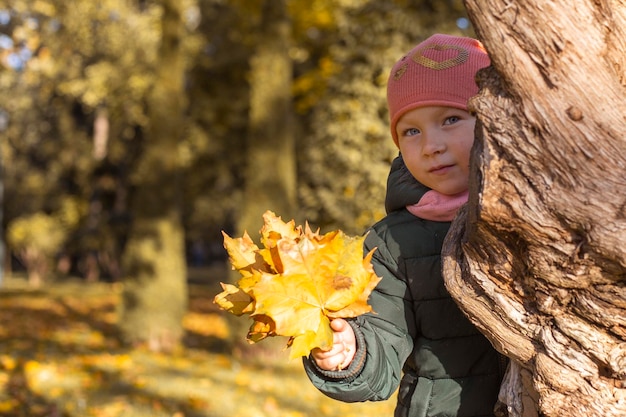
x=386, y=334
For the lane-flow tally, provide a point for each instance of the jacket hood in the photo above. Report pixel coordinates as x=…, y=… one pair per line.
x=402, y=188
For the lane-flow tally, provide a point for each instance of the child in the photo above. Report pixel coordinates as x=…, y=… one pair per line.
x=418, y=339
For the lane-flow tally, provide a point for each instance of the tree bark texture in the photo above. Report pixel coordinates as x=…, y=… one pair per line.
x=537, y=258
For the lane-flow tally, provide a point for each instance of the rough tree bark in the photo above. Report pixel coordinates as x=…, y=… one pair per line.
x=537, y=257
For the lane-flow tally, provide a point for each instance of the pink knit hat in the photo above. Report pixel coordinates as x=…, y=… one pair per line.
x=438, y=72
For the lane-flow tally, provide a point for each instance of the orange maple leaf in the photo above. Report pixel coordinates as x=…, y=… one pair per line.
x=297, y=283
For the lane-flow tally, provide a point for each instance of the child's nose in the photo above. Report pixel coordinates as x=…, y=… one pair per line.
x=433, y=143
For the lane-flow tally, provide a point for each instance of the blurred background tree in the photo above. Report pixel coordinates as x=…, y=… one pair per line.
x=144, y=131
x=155, y=291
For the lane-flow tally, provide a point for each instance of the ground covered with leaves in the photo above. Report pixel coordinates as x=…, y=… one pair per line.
x=60, y=356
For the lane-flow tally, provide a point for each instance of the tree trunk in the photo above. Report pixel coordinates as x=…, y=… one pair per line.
x=270, y=175
x=270, y=166
x=537, y=257
x=155, y=292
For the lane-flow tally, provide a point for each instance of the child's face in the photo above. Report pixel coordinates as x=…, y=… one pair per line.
x=435, y=143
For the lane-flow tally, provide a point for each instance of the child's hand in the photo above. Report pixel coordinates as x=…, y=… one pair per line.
x=343, y=350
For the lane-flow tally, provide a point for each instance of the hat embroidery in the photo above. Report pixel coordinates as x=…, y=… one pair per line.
x=400, y=71
x=461, y=57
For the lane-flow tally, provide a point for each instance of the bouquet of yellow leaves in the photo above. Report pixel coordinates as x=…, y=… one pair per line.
x=297, y=283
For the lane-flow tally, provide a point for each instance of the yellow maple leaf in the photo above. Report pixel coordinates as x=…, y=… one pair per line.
x=298, y=282
x=234, y=300
x=243, y=254
x=262, y=327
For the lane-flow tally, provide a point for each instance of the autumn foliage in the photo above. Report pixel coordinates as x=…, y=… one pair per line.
x=297, y=282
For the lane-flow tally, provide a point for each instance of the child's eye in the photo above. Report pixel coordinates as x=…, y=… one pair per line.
x=411, y=131
x=451, y=120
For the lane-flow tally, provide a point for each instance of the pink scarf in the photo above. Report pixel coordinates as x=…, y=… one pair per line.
x=438, y=207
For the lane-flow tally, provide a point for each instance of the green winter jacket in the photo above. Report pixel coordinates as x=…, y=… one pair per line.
x=417, y=339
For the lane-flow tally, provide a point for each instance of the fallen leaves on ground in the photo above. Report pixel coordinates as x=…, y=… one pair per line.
x=60, y=357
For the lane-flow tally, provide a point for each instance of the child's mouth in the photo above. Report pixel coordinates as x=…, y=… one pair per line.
x=441, y=169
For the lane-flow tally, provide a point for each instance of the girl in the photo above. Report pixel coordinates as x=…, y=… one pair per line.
x=418, y=339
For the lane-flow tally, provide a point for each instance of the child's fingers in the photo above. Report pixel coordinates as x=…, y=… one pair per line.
x=343, y=333
x=339, y=325
x=340, y=355
x=332, y=362
x=338, y=347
